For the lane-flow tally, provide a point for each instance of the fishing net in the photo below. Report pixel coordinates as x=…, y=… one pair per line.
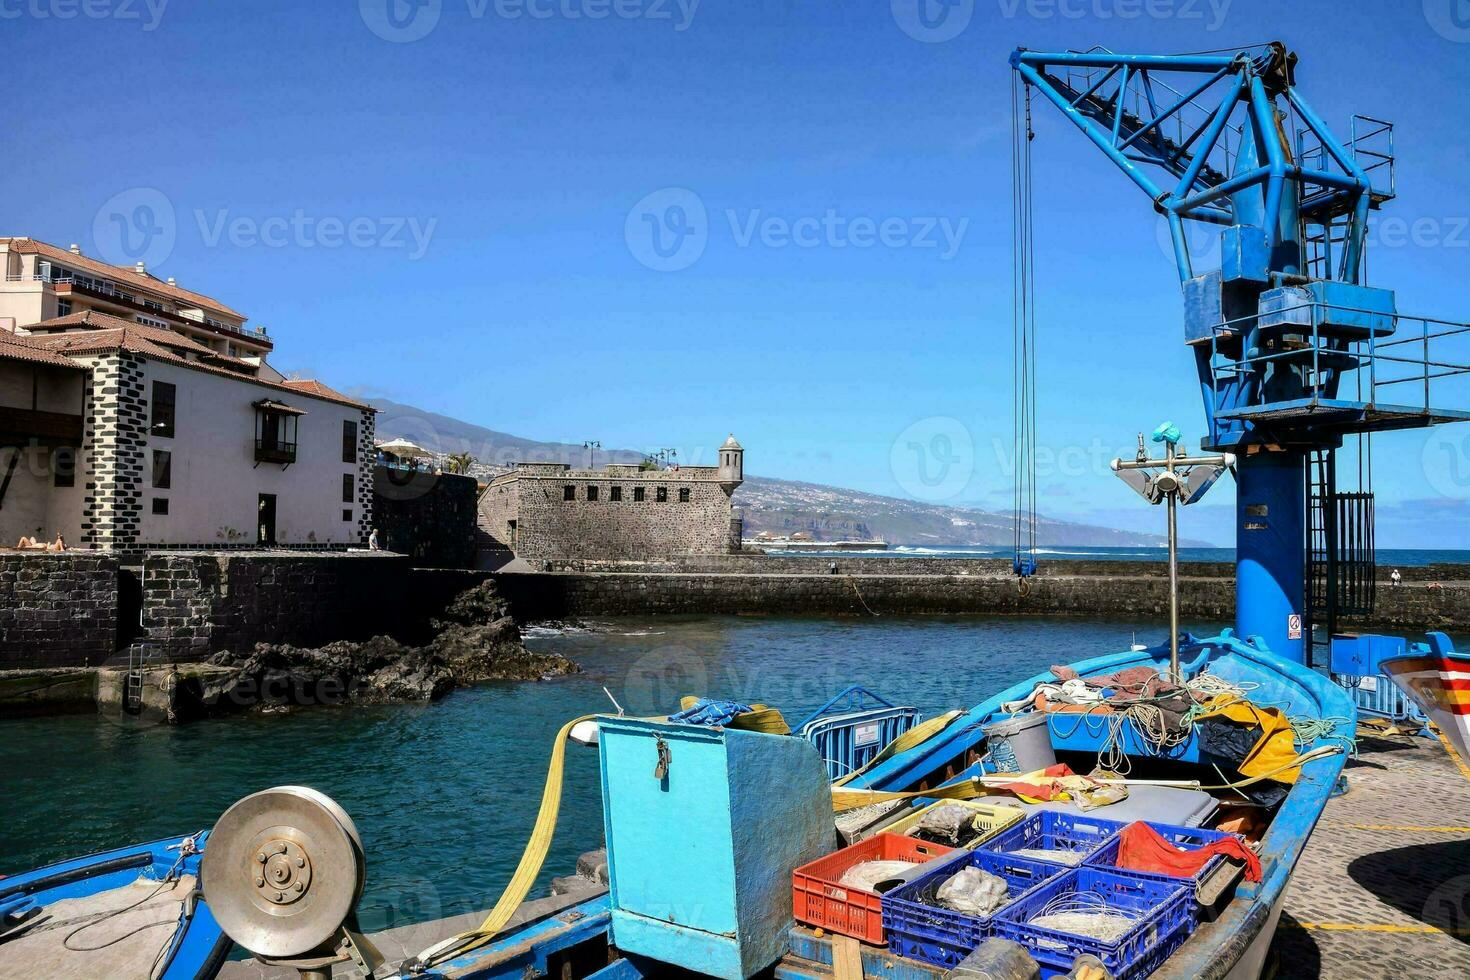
x=1084, y=914
x=1056, y=855
x=868, y=874
x=944, y=824
x=973, y=891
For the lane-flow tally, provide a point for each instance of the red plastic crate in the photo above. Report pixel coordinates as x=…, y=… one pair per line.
x=818, y=899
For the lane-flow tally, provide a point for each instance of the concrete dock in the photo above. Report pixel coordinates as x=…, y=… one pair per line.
x=1383, y=889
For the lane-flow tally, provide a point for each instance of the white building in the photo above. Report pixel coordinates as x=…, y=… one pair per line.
x=146, y=416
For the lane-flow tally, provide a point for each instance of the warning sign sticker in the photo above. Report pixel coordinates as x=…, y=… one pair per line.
x=1294, y=627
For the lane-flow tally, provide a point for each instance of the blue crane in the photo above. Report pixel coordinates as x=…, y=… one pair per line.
x=1295, y=351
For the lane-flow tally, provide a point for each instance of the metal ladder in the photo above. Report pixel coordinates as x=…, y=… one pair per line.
x=138, y=657
x=1342, y=564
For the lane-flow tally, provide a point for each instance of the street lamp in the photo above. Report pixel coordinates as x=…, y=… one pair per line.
x=1166, y=481
x=591, y=445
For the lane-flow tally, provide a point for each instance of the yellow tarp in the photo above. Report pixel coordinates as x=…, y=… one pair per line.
x=1276, y=747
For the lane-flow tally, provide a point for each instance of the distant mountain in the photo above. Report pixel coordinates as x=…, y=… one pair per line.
x=832, y=514
x=779, y=506
x=494, y=451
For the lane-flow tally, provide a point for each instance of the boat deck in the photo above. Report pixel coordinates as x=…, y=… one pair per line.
x=1383, y=888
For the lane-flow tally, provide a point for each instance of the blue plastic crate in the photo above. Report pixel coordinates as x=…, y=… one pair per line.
x=1376, y=695
x=918, y=929
x=1054, y=830
x=1166, y=921
x=1185, y=838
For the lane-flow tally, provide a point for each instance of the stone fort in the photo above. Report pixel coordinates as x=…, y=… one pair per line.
x=621, y=511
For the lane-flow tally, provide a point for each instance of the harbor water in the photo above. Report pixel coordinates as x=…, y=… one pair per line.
x=445, y=794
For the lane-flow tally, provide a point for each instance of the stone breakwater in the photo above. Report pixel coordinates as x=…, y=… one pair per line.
x=475, y=641
x=1431, y=597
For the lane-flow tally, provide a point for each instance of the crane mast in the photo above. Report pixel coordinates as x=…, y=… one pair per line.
x=1294, y=350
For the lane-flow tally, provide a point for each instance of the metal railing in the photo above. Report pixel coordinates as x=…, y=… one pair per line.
x=1420, y=352
x=275, y=451
x=107, y=287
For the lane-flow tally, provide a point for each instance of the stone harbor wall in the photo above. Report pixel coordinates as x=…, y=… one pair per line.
x=428, y=516
x=199, y=603
x=860, y=587
x=57, y=610
x=62, y=610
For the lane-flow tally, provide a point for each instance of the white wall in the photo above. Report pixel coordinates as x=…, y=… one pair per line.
x=32, y=505
x=23, y=510
x=216, y=482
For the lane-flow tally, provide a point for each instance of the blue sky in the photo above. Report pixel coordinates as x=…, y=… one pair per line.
x=443, y=203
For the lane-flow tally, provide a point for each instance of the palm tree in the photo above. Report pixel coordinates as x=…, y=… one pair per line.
x=460, y=463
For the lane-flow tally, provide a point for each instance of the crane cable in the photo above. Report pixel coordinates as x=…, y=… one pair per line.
x=1023, y=334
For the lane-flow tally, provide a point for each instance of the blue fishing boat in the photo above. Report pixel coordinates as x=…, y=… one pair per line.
x=681, y=898
x=132, y=912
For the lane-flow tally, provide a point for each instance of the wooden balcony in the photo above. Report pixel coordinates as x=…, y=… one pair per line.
x=275, y=451
x=24, y=426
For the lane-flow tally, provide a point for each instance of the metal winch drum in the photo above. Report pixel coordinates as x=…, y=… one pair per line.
x=283, y=871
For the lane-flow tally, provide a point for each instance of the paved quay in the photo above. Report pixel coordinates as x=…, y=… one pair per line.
x=1383, y=888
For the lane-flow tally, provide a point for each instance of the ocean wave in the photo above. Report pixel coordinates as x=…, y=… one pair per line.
x=550, y=628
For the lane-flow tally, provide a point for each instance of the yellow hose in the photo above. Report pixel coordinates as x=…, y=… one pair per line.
x=852, y=799
x=526, y=872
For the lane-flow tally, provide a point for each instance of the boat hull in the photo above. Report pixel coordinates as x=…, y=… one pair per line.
x=1437, y=680
x=194, y=949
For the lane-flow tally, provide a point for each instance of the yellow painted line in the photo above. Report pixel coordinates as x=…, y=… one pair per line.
x=1464, y=769
x=1405, y=829
x=1373, y=927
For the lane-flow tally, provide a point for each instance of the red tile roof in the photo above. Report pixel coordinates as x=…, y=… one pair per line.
x=17, y=348
x=310, y=386
x=82, y=330
x=121, y=273
x=91, y=332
